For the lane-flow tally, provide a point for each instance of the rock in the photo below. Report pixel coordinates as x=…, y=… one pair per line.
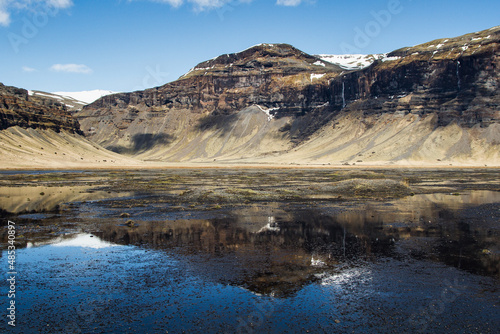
x=448, y=81
x=17, y=107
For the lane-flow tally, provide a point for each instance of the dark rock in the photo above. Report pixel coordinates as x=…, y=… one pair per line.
x=456, y=80
x=18, y=108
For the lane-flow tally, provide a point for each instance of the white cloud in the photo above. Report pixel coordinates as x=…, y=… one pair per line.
x=174, y=3
x=28, y=69
x=4, y=14
x=4, y=18
x=71, y=68
x=208, y=4
x=29, y=5
x=60, y=3
x=201, y=5
x=288, y=2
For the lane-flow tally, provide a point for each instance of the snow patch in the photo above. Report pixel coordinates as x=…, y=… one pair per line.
x=319, y=63
x=390, y=58
x=317, y=262
x=88, y=96
x=191, y=70
x=351, y=61
x=256, y=45
x=316, y=76
x=48, y=95
x=204, y=68
x=271, y=226
x=268, y=112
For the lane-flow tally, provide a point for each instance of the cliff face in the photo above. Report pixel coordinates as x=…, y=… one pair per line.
x=277, y=78
x=18, y=108
x=457, y=79
x=273, y=75
x=273, y=99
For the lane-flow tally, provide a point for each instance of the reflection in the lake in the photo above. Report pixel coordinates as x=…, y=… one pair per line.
x=278, y=254
x=47, y=198
x=85, y=240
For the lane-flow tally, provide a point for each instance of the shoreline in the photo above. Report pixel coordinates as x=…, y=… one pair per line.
x=239, y=166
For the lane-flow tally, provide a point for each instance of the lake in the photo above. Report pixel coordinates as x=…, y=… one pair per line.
x=253, y=251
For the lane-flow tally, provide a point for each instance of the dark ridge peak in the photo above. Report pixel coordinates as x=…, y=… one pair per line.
x=273, y=49
x=18, y=108
x=10, y=90
x=264, y=50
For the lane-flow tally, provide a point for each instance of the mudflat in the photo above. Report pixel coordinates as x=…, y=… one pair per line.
x=255, y=249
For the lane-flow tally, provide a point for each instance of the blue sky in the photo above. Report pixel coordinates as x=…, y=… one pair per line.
x=120, y=45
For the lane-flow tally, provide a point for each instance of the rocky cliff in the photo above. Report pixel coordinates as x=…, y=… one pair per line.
x=457, y=79
x=18, y=108
x=39, y=132
x=272, y=102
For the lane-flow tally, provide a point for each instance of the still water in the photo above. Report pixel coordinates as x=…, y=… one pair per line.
x=131, y=259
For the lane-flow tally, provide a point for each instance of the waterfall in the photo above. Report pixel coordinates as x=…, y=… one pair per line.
x=459, y=83
x=343, y=95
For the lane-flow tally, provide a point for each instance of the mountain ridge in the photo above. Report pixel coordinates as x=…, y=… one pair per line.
x=19, y=108
x=434, y=103
x=276, y=98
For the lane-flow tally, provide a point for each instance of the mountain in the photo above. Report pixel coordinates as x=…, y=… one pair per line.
x=18, y=107
x=246, y=88
x=434, y=103
x=39, y=131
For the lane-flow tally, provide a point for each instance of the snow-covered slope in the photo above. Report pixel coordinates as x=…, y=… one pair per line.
x=73, y=100
x=352, y=61
x=71, y=103
x=86, y=96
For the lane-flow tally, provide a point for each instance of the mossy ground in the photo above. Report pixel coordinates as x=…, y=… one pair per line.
x=219, y=187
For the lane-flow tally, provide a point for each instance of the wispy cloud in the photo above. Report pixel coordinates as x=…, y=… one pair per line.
x=71, y=68
x=6, y=7
x=174, y=3
x=290, y=3
x=28, y=69
x=208, y=4
x=4, y=14
x=4, y=18
x=60, y=3
x=200, y=5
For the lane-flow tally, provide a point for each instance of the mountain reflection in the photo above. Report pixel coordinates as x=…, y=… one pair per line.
x=279, y=254
x=84, y=240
